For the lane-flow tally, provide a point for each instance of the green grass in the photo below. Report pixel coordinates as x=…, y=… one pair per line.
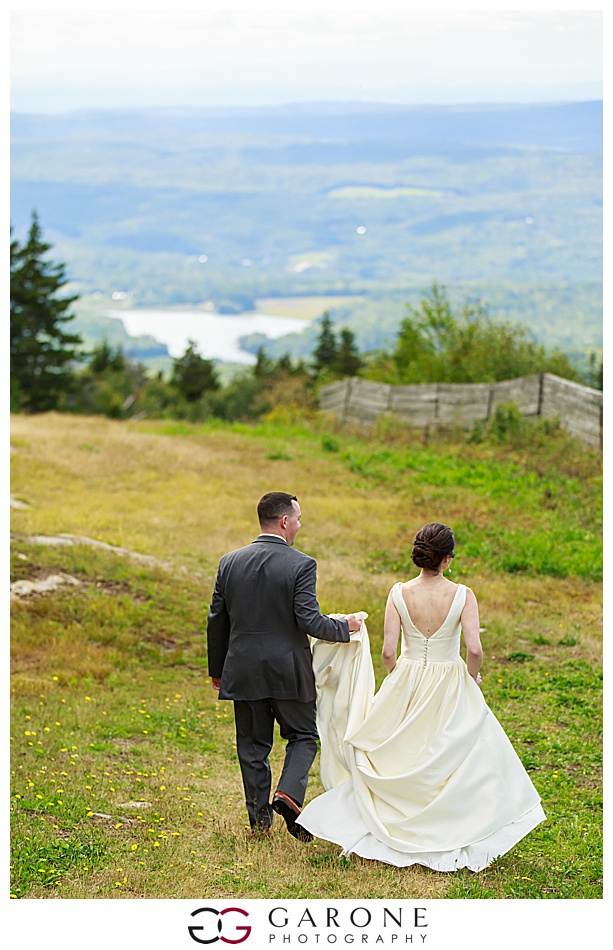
x=125, y=782
x=531, y=521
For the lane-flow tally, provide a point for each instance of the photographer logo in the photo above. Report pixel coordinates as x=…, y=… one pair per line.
x=217, y=926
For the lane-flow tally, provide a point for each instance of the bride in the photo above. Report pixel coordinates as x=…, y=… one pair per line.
x=421, y=772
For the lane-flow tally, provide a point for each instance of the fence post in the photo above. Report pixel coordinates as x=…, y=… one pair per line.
x=347, y=398
x=601, y=434
x=539, y=405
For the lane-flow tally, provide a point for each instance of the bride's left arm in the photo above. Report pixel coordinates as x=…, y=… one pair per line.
x=391, y=633
x=470, y=629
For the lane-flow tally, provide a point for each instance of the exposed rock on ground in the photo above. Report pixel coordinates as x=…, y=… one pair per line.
x=43, y=586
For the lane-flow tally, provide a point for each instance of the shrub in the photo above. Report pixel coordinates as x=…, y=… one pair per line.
x=506, y=422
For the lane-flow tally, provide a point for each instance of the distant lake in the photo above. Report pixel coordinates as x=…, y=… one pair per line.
x=215, y=334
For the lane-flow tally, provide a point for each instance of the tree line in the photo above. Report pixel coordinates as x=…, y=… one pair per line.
x=50, y=370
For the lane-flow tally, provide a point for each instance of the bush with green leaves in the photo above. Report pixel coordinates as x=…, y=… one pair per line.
x=436, y=345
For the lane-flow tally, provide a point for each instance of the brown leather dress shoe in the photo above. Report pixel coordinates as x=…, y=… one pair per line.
x=290, y=810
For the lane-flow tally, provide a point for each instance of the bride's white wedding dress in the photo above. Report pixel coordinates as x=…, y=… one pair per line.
x=421, y=772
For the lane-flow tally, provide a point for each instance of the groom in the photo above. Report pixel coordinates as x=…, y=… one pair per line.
x=264, y=607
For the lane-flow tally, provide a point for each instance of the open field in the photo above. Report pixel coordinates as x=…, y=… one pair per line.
x=125, y=782
x=302, y=308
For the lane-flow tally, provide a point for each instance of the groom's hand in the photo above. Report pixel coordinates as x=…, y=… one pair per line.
x=354, y=623
x=216, y=682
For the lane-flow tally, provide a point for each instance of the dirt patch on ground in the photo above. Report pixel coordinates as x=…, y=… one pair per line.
x=27, y=570
x=594, y=780
x=118, y=589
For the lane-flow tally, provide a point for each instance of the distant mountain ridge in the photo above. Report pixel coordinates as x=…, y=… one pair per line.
x=575, y=125
x=193, y=205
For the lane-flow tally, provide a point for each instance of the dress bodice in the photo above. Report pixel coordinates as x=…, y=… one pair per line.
x=444, y=644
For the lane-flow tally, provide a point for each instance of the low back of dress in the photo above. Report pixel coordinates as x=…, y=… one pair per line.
x=441, y=646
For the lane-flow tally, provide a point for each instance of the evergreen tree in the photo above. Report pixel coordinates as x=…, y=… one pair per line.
x=103, y=358
x=192, y=375
x=263, y=365
x=348, y=361
x=41, y=348
x=326, y=351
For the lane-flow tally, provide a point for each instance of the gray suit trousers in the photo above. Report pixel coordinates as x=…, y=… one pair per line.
x=255, y=720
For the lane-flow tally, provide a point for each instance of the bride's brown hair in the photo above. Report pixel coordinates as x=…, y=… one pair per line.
x=432, y=543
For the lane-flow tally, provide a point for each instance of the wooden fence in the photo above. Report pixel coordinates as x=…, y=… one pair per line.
x=578, y=408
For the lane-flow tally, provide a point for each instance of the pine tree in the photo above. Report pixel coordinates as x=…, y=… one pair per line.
x=103, y=358
x=263, y=365
x=326, y=351
x=348, y=360
x=192, y=375
x=41, y=349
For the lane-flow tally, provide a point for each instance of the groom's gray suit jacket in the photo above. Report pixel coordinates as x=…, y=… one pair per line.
x=263, y=607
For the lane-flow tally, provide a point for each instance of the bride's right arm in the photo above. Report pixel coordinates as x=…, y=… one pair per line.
x=391, y=633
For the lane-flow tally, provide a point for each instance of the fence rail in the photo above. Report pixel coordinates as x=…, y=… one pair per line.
x=578, y=408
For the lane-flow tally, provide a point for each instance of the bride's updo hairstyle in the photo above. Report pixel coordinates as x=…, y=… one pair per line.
x=432, y=543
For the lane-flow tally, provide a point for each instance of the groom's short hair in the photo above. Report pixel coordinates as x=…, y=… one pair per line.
x=273, y=505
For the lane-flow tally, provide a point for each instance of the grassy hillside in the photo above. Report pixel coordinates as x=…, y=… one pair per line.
x=125, y=782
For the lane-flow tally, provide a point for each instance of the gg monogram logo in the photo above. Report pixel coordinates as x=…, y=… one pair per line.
x=219, y=926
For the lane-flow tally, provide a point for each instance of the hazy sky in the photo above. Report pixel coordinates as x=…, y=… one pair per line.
x=62, y=59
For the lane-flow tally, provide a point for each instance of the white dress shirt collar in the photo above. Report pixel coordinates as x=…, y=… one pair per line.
x=267, y=534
